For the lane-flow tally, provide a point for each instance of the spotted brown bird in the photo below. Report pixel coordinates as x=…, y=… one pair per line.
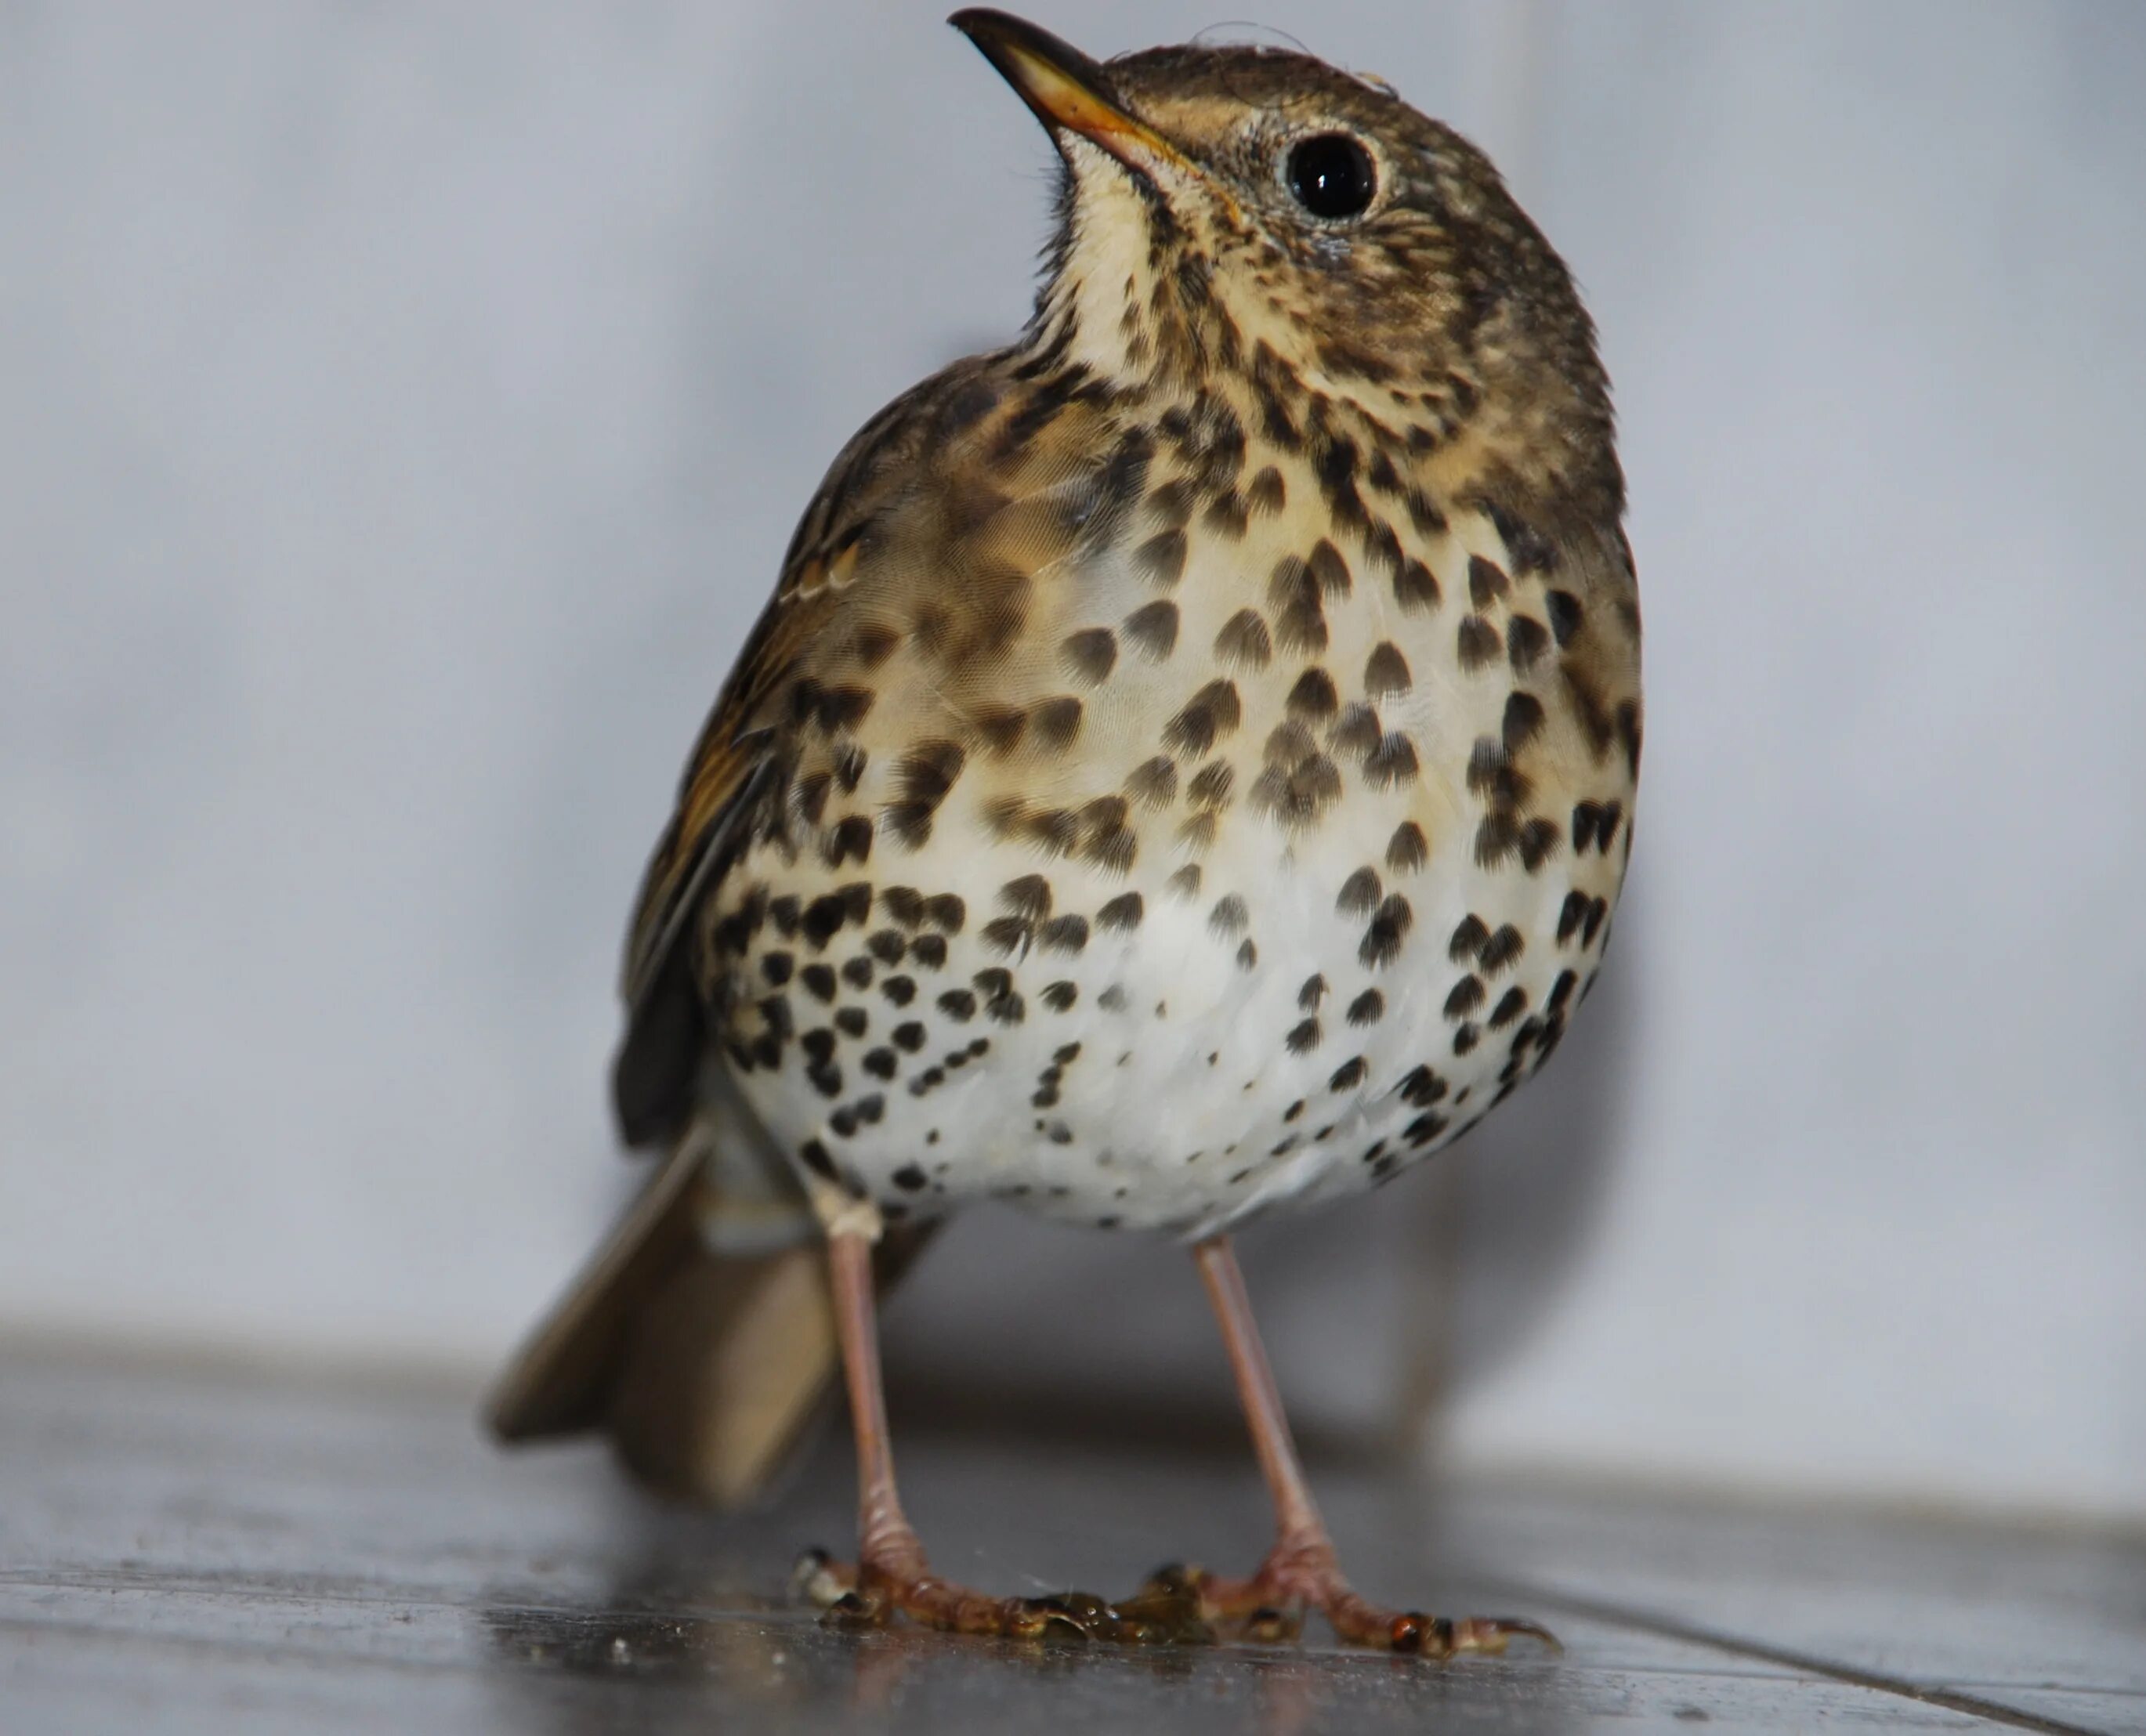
x=1186, y=771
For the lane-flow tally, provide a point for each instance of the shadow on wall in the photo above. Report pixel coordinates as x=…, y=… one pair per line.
x=1373, y=1309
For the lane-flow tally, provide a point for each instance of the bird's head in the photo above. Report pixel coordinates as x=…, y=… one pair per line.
x=1241, y=210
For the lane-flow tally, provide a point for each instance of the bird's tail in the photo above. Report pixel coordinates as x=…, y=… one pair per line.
x=700, y=1338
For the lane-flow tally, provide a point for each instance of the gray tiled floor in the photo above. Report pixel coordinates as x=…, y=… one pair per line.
x=183, y=1552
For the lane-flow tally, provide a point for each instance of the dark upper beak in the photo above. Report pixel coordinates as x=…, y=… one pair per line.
x=1067, y=90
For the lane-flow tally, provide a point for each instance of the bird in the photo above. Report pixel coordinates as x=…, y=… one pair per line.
x=1185, y=773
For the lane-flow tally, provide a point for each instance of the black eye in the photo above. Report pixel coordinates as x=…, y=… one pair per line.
x=1331, y=175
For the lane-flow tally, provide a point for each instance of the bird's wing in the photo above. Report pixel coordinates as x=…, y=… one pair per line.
x=733, y=777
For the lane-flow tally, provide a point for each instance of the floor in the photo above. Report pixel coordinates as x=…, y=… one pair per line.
x=189, y=1550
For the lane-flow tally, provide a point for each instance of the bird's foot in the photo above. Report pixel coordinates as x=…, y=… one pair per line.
x=1270, y=1608
x=898, y=1582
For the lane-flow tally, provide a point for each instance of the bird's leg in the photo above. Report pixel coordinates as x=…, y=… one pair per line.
x=891, y=1574
x=1300, y=1570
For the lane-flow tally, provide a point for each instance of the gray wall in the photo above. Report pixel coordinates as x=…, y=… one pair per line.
x=409, y=405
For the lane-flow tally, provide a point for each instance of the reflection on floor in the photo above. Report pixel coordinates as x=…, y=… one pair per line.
x=186, y=1551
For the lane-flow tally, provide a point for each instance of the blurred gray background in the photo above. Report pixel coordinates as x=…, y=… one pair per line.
x=408, y=405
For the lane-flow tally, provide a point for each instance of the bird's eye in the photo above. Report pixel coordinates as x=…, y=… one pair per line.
x=1330, y=175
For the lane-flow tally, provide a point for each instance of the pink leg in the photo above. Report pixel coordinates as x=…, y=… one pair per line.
x=1302, y=1570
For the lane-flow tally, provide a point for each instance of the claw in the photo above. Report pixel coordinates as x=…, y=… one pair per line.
x=817, y=1581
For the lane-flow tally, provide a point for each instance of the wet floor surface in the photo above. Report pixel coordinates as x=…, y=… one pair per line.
x=189, y=1551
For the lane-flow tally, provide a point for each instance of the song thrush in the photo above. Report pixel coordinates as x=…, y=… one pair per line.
x=1185, y=770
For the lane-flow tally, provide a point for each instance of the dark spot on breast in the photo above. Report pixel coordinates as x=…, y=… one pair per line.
x=1359, y=893
x=1264, y=493
x=1153, y=783
x=1293, y=593
x=1422, y=1087
x=1368, y=1008
x=880, y=1063
x=1209, y=787
x=1570, y=916
x=857, y=972
x=1524, y=717
x=904, y=904
x=1303, y=1038
x=1122, y=913
x=899, y=990
x=1244, y=641
x=1295, y=796
x=911, y=1179
x=1215, y=711
x=1348, y=1076
x=1538, y=842
x=1391, y=763
x=1499, y=950
x=851, y=1022
x=819, y=980
x=1008, y=934
x=1161, y=557
x=816, y=1159
x=775, y=967
x=958, y=1005
x=1408, y=849
x=1329, y=572
x=1596, y=912
x=843, y=708
x=1585, y=817
x=1487, y=582
x=1566, y=616
x=1313, y=697
x=1497, y=839
x=1510, y=1005
x=1153, y=628
x=1476, y=642
x=1227, y=515
x=1056, y=720
x=1468, y=938
x=922, y=777
x=1001, y=728
x=1628, y=732
x=1386, y=671
x=1425, y=1128
x=1089, y=654
x=1526, y=640
x=1060, y=996
x=1382, y=941
x=1415, y=590
x=1356, y=731
x=1382, y=547
x=1311, y=994
x=929, y=950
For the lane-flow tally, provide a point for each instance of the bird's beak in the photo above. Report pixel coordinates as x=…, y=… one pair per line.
x=1068, y=90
